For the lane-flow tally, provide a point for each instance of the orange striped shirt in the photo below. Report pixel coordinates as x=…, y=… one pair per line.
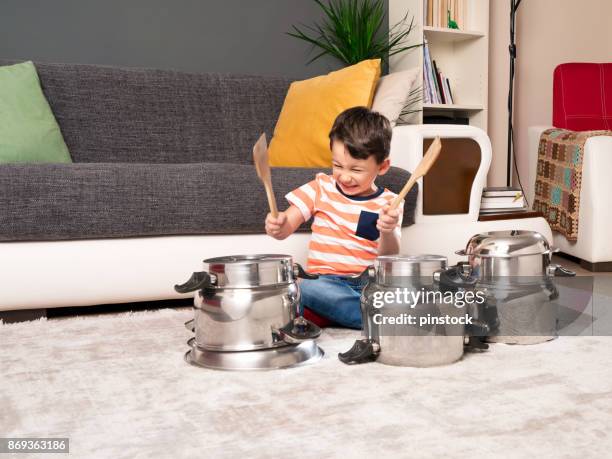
x=344, y=236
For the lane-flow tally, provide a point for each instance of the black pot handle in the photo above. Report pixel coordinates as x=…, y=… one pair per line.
x=363, y=351
x=366, y=274
x=298, y=271
x=452, y=279
x=299, y=330
x=197, y=281
x=476, y=333
x=560, y=271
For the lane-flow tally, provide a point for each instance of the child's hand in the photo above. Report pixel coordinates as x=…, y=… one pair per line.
x=388, y=219
x=277, y=227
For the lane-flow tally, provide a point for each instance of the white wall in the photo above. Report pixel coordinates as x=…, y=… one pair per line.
x=499, y=23
x=548, y=33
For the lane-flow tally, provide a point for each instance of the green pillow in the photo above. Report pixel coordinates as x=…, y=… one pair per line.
x=29, y=132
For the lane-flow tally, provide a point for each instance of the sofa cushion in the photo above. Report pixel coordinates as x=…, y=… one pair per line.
x=393, y=93
x=131, y=115
x=43, y=202
x=582, y=96
x=301, y=135
x=28, y=130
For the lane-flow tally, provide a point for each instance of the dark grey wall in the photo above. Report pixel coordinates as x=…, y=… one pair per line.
x=227, y=36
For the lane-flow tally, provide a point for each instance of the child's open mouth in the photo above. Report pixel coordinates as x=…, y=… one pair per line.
x=348, y=189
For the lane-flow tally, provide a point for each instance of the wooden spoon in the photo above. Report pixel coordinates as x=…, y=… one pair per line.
x=423, y=167
x=260, y=158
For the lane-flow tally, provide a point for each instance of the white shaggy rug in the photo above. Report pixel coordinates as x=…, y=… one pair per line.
x=117, y=386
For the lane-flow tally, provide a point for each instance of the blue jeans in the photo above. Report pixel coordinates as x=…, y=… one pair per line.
x=333, y=297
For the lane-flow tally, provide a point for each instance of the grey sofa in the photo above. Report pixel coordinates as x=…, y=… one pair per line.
x=156, y=153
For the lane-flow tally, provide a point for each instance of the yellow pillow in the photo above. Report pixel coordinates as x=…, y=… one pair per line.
x=311, y=106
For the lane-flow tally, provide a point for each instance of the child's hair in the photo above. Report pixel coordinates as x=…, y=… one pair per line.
x=364, y=132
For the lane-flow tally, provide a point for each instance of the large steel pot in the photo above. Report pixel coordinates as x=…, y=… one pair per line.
x=515, y=269
x=393, y=333
x=248, y=302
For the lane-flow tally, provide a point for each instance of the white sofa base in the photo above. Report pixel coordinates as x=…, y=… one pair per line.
x=105, y=271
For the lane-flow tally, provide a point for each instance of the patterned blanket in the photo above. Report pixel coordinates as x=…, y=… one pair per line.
x=557, y=188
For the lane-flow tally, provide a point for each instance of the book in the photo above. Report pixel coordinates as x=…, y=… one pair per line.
x=501, y=188
x=436, y=13
x=447, y=92
x=438, y=81
x=501, y=198
x=430, y=93
x=501, y=191
x=444, y=16
x=450, y=93
x=503, y=211
x=502, y=203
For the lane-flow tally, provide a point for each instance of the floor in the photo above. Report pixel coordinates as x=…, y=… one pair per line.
x=579, y=270
x=117, y=386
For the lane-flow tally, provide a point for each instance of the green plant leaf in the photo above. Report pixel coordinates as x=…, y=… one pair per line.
x=353, y=30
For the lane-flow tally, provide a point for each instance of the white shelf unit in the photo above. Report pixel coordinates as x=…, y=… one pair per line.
x=461, y=55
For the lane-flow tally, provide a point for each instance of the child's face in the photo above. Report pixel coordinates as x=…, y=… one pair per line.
x=355, y=177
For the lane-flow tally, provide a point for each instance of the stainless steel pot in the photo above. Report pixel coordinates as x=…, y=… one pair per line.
x=248, y=302
x=510, y=254
x=515, y=269
x=390, y=335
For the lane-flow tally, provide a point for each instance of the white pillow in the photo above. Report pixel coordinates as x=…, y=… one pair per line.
x=392, y=91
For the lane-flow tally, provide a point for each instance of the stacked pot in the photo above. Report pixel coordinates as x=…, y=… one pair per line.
x=246, y=315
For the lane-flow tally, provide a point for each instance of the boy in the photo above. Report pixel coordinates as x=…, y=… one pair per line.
x=352, y=222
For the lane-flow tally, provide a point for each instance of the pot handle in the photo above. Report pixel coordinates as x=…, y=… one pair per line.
x=299, y=330
x=197, y=281
x=363, y=351
x=453, y=279
x=476, y=334
x=298, y=271
x=559, y=271
x=368, y=273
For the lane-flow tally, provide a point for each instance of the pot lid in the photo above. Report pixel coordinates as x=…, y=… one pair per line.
x=506, y=244
x=246, y=271
x=396, y=266
x=248, y=259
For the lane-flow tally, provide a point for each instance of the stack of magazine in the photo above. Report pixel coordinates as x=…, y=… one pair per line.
x=502, y=199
